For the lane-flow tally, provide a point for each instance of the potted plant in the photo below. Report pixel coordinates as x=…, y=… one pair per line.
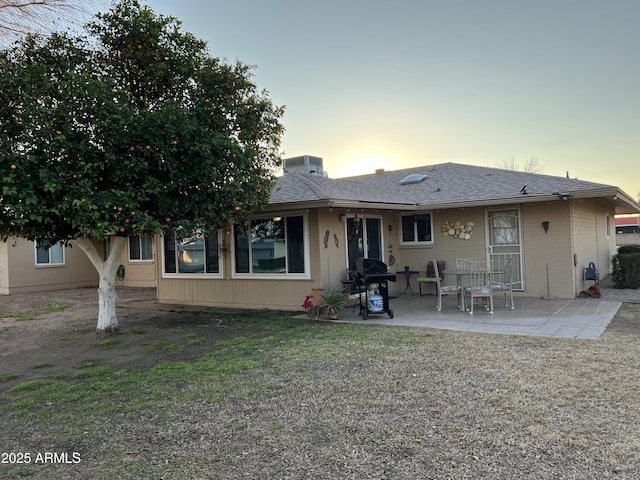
x=333, y=302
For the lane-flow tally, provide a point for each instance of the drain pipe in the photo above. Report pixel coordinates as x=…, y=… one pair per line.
x=548, y=297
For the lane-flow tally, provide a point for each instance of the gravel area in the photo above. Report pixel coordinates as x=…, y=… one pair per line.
x=618, y=294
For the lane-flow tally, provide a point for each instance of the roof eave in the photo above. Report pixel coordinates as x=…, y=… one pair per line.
x=623, y=202
x=337, y=203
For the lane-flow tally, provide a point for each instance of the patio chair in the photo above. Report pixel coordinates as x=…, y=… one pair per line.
x=430, y=276
x=444, y=290
x=506, y=285
x=463, y=267
x=480, y=289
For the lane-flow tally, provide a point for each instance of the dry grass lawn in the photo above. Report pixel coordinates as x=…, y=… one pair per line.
x=348, y=402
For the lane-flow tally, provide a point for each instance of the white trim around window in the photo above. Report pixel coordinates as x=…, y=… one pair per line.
x=53, y=256
x=283, y=248
x=140, y=246
x=195, y=257
x=416, y=228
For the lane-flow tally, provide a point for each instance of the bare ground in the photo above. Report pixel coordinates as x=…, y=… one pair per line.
x=428, y=404
x=59, y=343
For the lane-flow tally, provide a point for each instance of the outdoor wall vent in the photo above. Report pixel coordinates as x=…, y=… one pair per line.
x=413, y=178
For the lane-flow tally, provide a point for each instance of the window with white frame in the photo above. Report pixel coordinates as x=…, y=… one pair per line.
x=191, y=255
x=275, y=246
x=53, y=255
x=140, y=247
x=607, y=220
x=417, y=228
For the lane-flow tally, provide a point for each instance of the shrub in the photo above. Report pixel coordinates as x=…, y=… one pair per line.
x=626, y=267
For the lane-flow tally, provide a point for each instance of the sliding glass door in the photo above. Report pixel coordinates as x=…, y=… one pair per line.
x=364, y=239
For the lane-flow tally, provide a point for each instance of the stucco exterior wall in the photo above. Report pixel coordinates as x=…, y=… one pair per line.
x=21, y=275
x=593, y=241
x=627, y=239
x=575, y=227
x=140, y=273
x=4, y=269
x=548, y=263
x=277, y=294
x=332, y=254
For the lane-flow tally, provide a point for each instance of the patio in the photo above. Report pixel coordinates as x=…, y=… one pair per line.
x=584, y=318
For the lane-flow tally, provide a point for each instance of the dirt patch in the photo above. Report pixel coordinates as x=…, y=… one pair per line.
x=377, y=402
x=59, y=343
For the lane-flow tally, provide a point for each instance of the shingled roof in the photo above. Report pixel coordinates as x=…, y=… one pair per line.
x=444, y=185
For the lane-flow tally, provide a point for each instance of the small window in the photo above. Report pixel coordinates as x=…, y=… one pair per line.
x=417, y=228
x=53, y=255
x=607, y=220
x=140, y=247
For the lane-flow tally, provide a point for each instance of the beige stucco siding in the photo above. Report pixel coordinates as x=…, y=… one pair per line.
x=21, y=275
x=257, y=292
x=591, y=242
x=332, y=249
x=271, y=294
x=140, y=273
x=575, y=227
x=445, y=247
x=4, y=269
x=547, y=250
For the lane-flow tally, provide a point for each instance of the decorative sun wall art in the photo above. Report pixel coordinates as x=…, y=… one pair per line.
x=457, y=229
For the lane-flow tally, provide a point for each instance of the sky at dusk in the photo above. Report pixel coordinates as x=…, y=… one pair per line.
x=373, y=84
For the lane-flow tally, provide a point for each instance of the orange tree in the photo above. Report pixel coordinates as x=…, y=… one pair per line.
x=132, y=129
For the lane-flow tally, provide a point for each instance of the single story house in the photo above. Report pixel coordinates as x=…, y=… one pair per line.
x=24, y=268
x=316, y=227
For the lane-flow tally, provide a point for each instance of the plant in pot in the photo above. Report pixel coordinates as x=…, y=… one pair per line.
x=333, y=302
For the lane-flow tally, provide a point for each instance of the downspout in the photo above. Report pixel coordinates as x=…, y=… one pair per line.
x=574, y=255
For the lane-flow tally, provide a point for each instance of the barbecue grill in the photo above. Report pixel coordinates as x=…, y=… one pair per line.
x=371, y=271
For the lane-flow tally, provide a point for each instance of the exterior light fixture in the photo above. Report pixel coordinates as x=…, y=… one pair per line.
x=545, y=225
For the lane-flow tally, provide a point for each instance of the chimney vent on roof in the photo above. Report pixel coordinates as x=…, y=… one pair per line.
x=379, y=171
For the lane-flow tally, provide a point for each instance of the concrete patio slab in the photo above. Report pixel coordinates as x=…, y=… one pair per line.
x=585, y=318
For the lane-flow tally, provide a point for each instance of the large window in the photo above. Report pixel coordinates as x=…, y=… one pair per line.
x=274, y=246
x=140, y=247
x=53, y=255
x=191, y=255
x=417, y=228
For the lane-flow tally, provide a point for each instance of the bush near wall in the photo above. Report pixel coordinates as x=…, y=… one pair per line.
x=626, y=267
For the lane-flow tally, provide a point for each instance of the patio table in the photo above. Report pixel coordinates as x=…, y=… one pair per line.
x=407, y=274
x=460, y=278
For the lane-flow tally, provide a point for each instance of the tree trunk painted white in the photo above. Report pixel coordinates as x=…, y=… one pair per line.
x=107, y=297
